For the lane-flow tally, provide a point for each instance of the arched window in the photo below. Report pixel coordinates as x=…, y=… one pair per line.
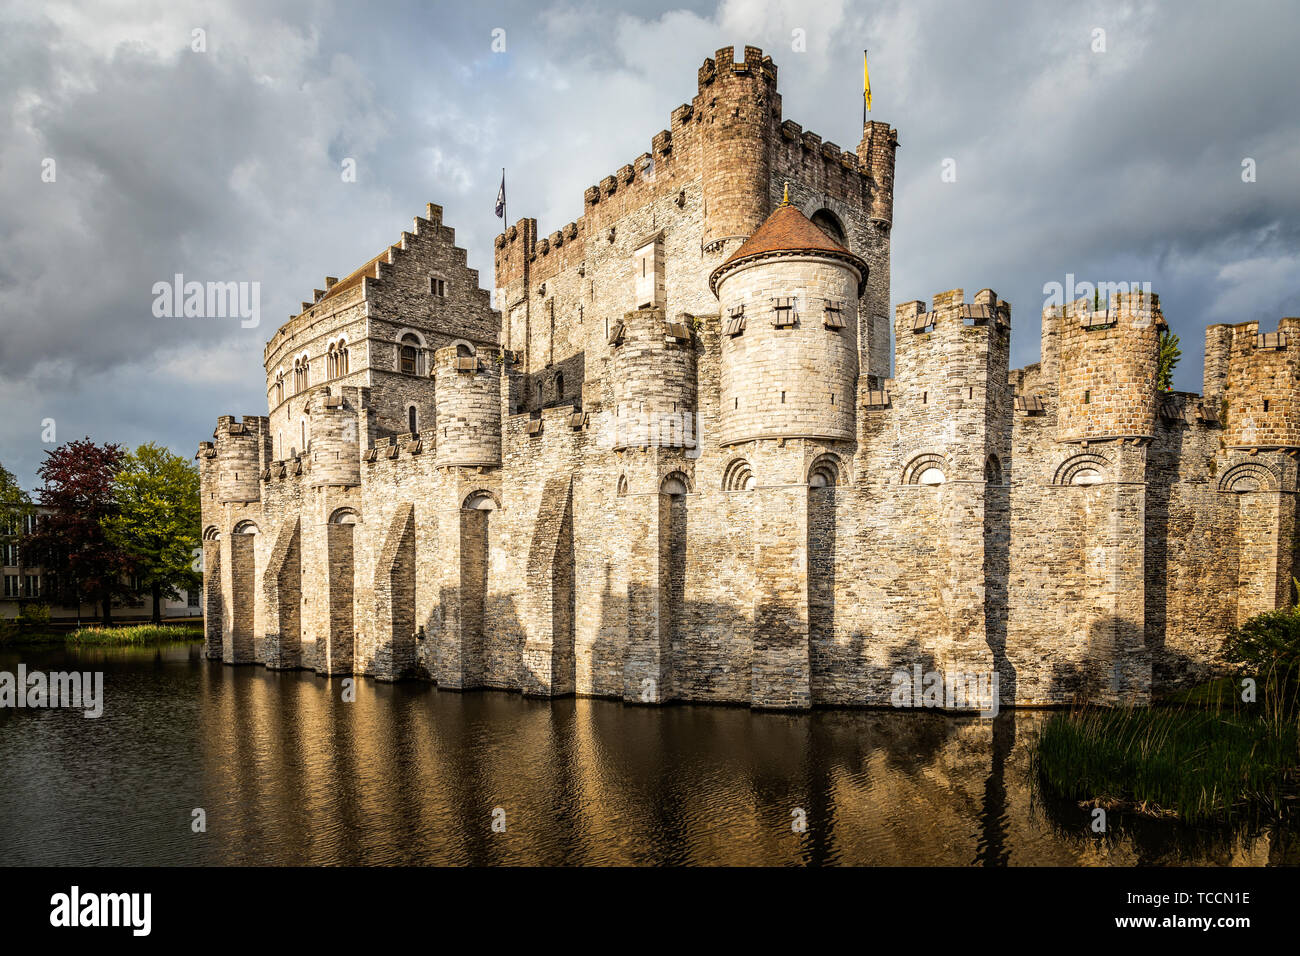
x=464, y=351
x=622, y=485
x=344, y=516
x=300, y=369
x=829, y=223
x=244, y=527
x=559, y=386
x=738, y=476
x=674, y=484
x=825, y=472
x=343, y=357
x=410, y=354
x=412, y=421
x=279, y=387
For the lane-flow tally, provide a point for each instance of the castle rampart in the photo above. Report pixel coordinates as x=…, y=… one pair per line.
x=441, y=491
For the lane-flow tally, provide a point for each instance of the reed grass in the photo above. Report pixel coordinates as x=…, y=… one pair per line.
x=135, y=634
x=1199, y=763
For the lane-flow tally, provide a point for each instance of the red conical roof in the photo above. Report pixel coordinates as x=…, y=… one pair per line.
x=788, y=230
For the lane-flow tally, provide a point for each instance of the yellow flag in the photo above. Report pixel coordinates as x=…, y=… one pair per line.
x=866, y=82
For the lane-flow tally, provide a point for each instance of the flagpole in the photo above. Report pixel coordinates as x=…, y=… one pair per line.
x=505, y=218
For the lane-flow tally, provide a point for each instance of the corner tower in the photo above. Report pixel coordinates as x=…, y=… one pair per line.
x=736, y=104
x=789, y=299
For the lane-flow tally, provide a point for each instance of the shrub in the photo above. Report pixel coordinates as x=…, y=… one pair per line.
x=1267, y=646
x=31, y=616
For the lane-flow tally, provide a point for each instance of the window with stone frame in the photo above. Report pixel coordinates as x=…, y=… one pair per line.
x=410, y=355
x=437, y=286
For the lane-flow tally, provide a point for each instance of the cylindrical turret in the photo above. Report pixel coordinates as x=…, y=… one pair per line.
x=789, y=302
x=654, y=380
x=335, y=442
x=239, y=457
x=735, y=105
x=876, y=157
x=467, y=396
x=1108, y=362
x=1264, y=386
x=1218, y=345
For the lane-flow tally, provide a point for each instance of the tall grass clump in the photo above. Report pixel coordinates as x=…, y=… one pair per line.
x=134, y=635
x=1231, y=746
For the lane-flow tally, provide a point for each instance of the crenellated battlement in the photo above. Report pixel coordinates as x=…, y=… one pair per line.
x=231, y=464
x=723, y=65
x=1107, y=359
x=467, y=392
x=1261, y=387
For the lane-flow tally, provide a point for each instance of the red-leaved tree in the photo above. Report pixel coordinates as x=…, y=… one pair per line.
x=71, y=539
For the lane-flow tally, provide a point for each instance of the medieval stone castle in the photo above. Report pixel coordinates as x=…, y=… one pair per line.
x=675, y=465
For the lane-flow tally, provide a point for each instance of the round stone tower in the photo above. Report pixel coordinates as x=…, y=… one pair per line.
x=1263, y=386
x=654, y=380
x=789, y=298
x=467, y=398
x=335, y=442
x=1108, y=367
x=735, y=105
x=239, y=457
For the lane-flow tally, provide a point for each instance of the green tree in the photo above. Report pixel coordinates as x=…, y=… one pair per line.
x=1170, y=353
x=157, y=520
x=14, y=505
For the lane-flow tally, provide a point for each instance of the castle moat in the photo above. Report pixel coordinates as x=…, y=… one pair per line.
x=287, y=772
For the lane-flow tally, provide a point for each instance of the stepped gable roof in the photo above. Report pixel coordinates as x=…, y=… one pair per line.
x=788, y=232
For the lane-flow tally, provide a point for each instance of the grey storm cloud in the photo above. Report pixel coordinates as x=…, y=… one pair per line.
x=225, y=164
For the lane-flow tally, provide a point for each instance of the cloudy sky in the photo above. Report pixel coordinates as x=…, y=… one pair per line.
x=225, y=163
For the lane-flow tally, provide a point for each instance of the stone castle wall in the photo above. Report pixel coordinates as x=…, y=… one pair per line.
x=1065, y=525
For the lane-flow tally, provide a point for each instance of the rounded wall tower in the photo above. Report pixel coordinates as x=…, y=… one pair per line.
x=654, y=377
x=239, y=457
x=335, y=442
x=467, y=399
x=735, y=107
x=789, y=302
x=1263, y=386
x=1108, y=363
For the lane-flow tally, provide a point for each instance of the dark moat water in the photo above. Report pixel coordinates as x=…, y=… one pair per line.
x=290, y=774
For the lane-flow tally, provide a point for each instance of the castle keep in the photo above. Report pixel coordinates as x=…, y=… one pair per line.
x=679, y=464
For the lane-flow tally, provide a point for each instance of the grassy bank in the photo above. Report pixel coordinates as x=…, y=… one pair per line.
x=1196, y=763
x=136, y=634
x=125, y=635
